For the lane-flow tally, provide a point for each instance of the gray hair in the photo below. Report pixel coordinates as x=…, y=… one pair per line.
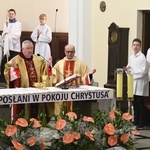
x=26, y=42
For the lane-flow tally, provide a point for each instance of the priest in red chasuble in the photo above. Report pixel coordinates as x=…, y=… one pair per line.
x=68, y=66
x=24, y=70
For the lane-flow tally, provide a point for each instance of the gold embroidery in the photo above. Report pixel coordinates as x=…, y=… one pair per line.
x=31, y=72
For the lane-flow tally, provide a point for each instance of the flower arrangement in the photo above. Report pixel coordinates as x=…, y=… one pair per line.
x=21, y=135
x=67, y=132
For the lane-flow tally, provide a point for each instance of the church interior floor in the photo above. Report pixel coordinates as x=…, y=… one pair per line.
x=142, y=140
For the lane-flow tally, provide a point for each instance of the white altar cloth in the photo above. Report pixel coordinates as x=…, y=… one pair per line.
x=53, y=94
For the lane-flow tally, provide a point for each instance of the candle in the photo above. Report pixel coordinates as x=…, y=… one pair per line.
x=130, y=85
x=7, y=20
x=119, y=83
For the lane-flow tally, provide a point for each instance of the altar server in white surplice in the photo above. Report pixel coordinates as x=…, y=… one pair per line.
x=42, y=35
x=11, y=35
x=11, y=39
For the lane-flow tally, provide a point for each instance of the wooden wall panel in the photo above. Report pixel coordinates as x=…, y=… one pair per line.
x=59, y=40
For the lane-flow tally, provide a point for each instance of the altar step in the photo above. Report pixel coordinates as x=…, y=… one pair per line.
x=2, y=85
x=4, y=109
x=142, y=140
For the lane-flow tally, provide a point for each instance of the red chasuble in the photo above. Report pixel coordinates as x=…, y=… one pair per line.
x=68, y=71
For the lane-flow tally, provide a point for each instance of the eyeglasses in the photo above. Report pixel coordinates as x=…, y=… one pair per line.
x=69, y=52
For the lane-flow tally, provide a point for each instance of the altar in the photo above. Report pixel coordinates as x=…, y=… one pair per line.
x=104, y=96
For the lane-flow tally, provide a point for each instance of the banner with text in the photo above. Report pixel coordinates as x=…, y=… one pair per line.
x=55, y=96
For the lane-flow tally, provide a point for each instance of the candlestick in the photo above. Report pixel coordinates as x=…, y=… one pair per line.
x=130, y=84
x=119, y=88
x=7, y=20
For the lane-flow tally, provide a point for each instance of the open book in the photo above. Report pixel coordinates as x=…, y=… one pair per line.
x=68, y=80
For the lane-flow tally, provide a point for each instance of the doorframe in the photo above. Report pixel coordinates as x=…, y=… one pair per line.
x=145, y=31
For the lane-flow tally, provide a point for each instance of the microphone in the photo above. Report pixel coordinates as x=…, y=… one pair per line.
x=64, y=86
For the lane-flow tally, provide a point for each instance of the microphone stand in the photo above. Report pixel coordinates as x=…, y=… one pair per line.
x=55, y=45
x=55, y=19
x=65, y=83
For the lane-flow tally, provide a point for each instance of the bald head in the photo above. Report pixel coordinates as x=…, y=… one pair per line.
x=69, y=51
x=70, y=46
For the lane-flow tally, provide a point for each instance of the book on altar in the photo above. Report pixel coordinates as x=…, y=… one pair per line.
x=68, y=80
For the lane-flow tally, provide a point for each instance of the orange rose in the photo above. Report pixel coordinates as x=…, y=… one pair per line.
x=68, y=138
x=88, y=119
x=71, y=115
x=17, y=145
x=31, y=141
x=109, y=129
x=36, y=123
x=126, y=116
x=89, y=134
x=21, y=122
x=124, y=138
x=10, y=130
x=76, y=135
x=135, y=132
x=112, y=140
x=60, y=124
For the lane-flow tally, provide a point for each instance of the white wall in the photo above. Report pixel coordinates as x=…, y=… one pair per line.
x=124, y=14
x=28, y=12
